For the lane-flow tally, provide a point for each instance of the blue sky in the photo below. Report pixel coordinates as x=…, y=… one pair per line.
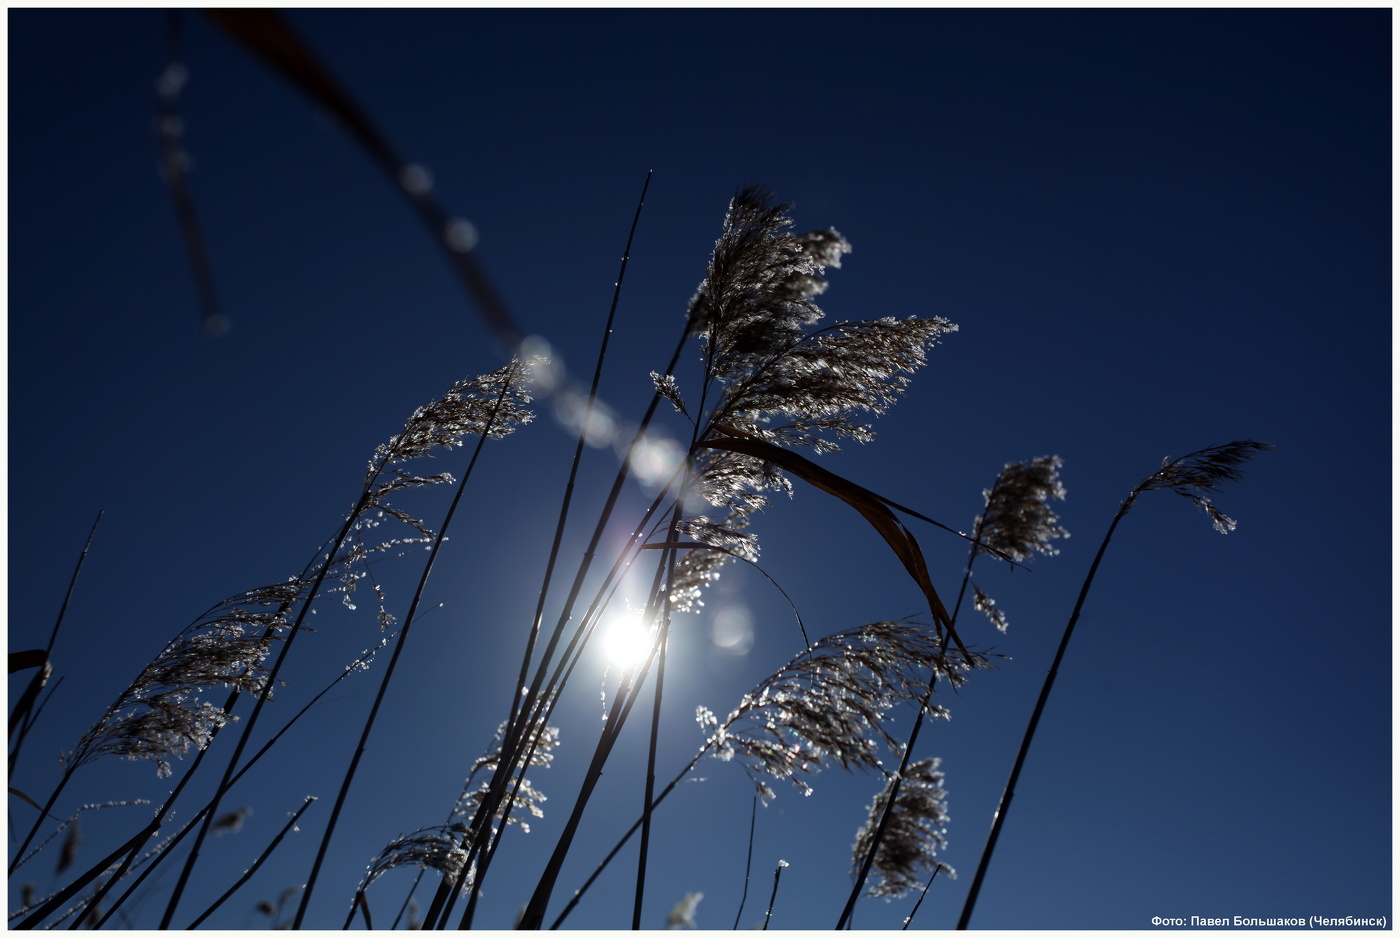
x=1156, y=230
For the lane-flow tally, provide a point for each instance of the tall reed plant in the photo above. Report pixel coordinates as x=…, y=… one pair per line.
x=778, y=389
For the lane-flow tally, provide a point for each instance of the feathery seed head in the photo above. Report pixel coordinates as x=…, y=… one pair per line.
x=1017, y=521
x=492, y=403
x=159, y=715
x=828, y=704
x=783, y=381
x=697, y=568
x=167, y=725
x=682, y=914
x=540, y=742
x=912, y=836
x=666, y=387
x=1204, y=471
x=435, y=848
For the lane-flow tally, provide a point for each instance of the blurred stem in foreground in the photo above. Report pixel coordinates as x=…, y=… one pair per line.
x=1190, y=477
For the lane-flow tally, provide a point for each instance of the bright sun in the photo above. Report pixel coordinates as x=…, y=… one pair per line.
x=625, y=641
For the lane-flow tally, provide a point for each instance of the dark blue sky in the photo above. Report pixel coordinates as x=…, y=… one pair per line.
x=1156, y=229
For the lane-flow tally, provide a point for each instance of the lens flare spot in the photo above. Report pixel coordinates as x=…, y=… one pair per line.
x=461, y=235
x=732, y=630
x=655, y=458
x=415, y=179
x=596, y=422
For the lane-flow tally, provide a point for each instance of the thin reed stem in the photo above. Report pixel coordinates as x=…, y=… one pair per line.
x=1190, y=476
x=37, y=683
x=268, y=35
x=160, y=818
x=663, y=630
x=174, y=163
x=224, y=783
x=132, y=848
x=44, y=812
x=73, y=888
x=248, y=873
x=577, y=458
x=1004, y=804
x=922, y=893
x=516, y=725
x=636, y=826
x=913, y=736
x=748, y=862
x=773, y=896
x=252, y=761
x=890, y=801
x=533, y=917
x=446, y=892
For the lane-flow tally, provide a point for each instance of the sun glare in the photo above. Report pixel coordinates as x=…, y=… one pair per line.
x=625, y=641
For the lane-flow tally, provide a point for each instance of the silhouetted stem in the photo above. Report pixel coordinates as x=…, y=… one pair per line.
x=248, y=873
x=913, y=734
x=28, y=721
x=533, y=916
x=266, y=747
x=914, y=911
x=389, y=669
x=446, y=893
x=1004, y=805
x=33, y=692
x=636, y=826
x=271, y=680
x=748, y=862
x=72, y=889
x=517, y=722
x=777, y=873
x=667, y=560
x=879, y=832
x=267, y=34
x=43, y=813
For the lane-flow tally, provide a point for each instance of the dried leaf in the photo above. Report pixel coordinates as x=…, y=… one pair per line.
x=874, y=508
x=27, y=800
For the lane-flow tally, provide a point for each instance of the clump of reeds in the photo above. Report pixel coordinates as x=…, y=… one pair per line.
x=775, y=384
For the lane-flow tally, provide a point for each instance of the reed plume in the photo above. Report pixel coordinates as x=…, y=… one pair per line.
x=160, y=716
x=1016, y=520
x=911, y=837
x=1190, y=476
x=828, y=705
x=682, y=914
x=1015, y=523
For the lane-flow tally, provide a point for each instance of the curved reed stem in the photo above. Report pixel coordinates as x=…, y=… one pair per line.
x=1189, y=476
x=1004, y=804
